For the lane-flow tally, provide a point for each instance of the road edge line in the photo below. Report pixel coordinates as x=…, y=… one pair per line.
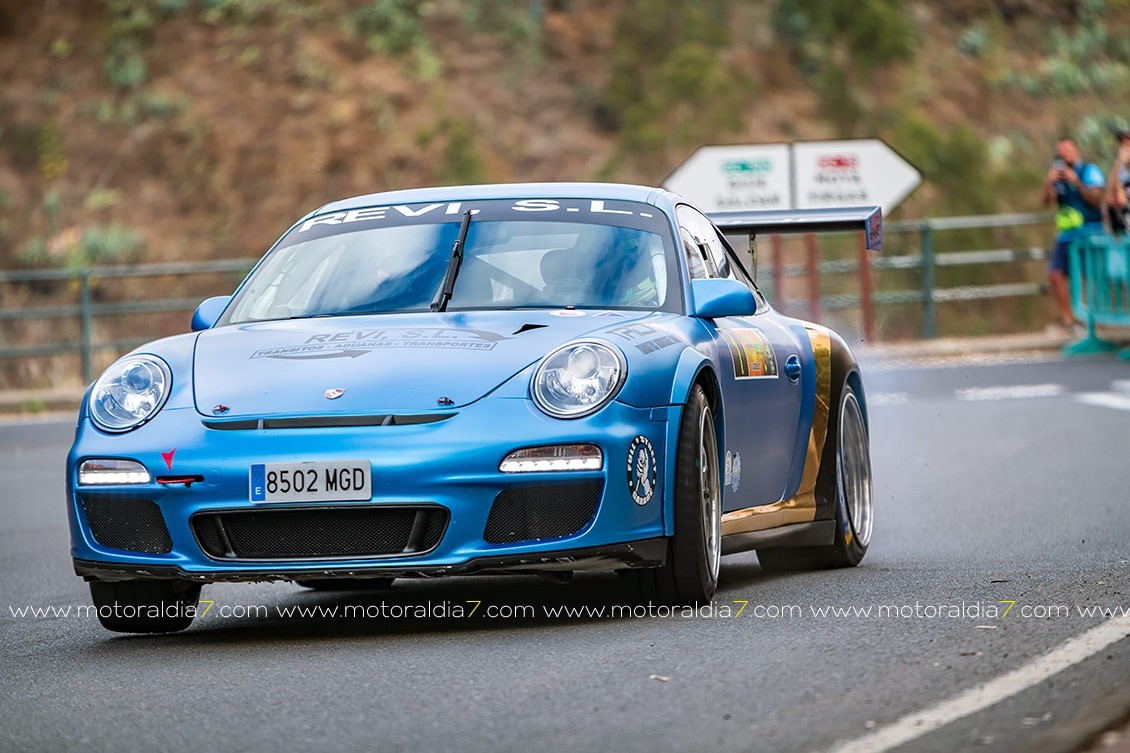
x=916, y=724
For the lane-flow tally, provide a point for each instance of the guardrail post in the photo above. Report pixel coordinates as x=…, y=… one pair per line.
x=778, y=261
x=929, y=310
x=813, y=263
x=86, y=327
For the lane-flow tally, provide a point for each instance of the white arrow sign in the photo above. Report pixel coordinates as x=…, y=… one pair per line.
x=807, y=175
x=860, y=172
x=734, y=178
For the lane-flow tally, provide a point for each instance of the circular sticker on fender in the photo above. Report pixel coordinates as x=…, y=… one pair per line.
x=642, y=473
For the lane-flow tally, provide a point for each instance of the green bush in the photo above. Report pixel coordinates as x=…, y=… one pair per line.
x=956, y=161
x=107, y=244
x=102, y=198
x=502, y=15
x=461, y=162
x=974, y=41
x=33, y=252
x=837, y=103
x=239, y=11
x=389, y=27
x=873, y=33
x=670, y=86
x=52, y=155
x=125, y=70
x=1080, y=59
x=396, y=28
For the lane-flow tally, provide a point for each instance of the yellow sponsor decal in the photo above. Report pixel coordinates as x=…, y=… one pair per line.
x=753, y=355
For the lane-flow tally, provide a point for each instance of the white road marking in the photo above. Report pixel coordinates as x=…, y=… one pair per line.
x=1120, y=385
x=1105, y=400
x=1012, y=392
x=888, y=398
x=915, y=725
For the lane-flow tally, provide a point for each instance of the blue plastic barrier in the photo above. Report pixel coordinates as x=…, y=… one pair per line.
x=1100, y=290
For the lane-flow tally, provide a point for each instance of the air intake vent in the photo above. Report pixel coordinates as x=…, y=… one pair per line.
x=320, y=532
x=542, y=511
x=127, y=523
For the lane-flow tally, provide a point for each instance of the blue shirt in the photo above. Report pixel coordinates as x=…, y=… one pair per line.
x=1068, y=195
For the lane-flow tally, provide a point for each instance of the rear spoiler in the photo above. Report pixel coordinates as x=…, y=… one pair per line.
x=774, y=222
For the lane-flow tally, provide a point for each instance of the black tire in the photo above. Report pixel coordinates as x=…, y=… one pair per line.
x=145, y=606
x=690, y=575
x=346, y=584
x=845, y=477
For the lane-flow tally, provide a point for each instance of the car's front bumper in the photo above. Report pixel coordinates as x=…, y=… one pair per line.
x=450, y=465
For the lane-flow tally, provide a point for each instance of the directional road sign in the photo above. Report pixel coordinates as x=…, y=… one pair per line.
x=860, y=172
x=804, y=175
x=735, y=178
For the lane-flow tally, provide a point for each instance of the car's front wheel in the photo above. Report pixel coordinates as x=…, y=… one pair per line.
x=690, y=575
x=145, y=606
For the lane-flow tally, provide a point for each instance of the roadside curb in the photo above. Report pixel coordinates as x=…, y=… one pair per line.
x=962, y=346
x=32, y=403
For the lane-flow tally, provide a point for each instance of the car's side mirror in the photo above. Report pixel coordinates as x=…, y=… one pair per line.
x=714, y=298
x=208, y=312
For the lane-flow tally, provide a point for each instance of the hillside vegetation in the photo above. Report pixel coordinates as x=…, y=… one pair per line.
x=157, y=129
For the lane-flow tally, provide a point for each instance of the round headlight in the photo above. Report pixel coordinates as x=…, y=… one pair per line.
x=577, y=379
x=129, y=393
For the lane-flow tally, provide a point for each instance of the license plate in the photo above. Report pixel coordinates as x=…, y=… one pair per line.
x=332, y=481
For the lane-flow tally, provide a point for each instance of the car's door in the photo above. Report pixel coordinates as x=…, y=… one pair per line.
x=761, y=390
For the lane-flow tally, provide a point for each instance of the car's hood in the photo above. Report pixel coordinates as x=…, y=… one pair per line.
x=393, y=363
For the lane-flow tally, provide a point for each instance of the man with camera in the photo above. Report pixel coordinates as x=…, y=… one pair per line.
x=1118, y=185
x=1077, y=188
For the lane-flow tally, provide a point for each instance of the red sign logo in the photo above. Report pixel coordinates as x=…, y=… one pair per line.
x=839, y=162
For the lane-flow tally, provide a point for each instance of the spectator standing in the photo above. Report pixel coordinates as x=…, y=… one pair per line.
x=1118, y=185
x=1077, y=188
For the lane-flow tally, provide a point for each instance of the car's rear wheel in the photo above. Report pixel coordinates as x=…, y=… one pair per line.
x=346, y=584
x=690, y=575
x=849, y=454
x=145, y=606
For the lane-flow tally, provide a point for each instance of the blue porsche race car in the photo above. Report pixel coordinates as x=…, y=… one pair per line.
x=487, y=379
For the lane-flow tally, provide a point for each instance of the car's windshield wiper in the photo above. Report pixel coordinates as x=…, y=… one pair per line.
x=439, y=303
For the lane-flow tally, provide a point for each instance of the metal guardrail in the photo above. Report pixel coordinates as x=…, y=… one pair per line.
x=86, y=309
x=927, y=261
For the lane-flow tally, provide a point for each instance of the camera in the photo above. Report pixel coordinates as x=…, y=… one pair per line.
x=1059, y=164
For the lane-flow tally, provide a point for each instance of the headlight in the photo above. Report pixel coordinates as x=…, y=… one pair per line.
x=129, y=393
x=577, y=379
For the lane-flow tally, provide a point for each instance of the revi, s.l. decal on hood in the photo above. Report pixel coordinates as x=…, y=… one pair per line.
x=400, y=363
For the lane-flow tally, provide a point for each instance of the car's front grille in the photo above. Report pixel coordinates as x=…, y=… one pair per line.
x=542, y=511
x=127, y=523
x=324, y=422
x=319, y=532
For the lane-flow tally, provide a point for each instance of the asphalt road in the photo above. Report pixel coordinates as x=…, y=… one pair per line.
x=994, y=484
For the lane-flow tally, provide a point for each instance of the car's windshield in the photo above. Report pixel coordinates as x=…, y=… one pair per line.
x=548, y=253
